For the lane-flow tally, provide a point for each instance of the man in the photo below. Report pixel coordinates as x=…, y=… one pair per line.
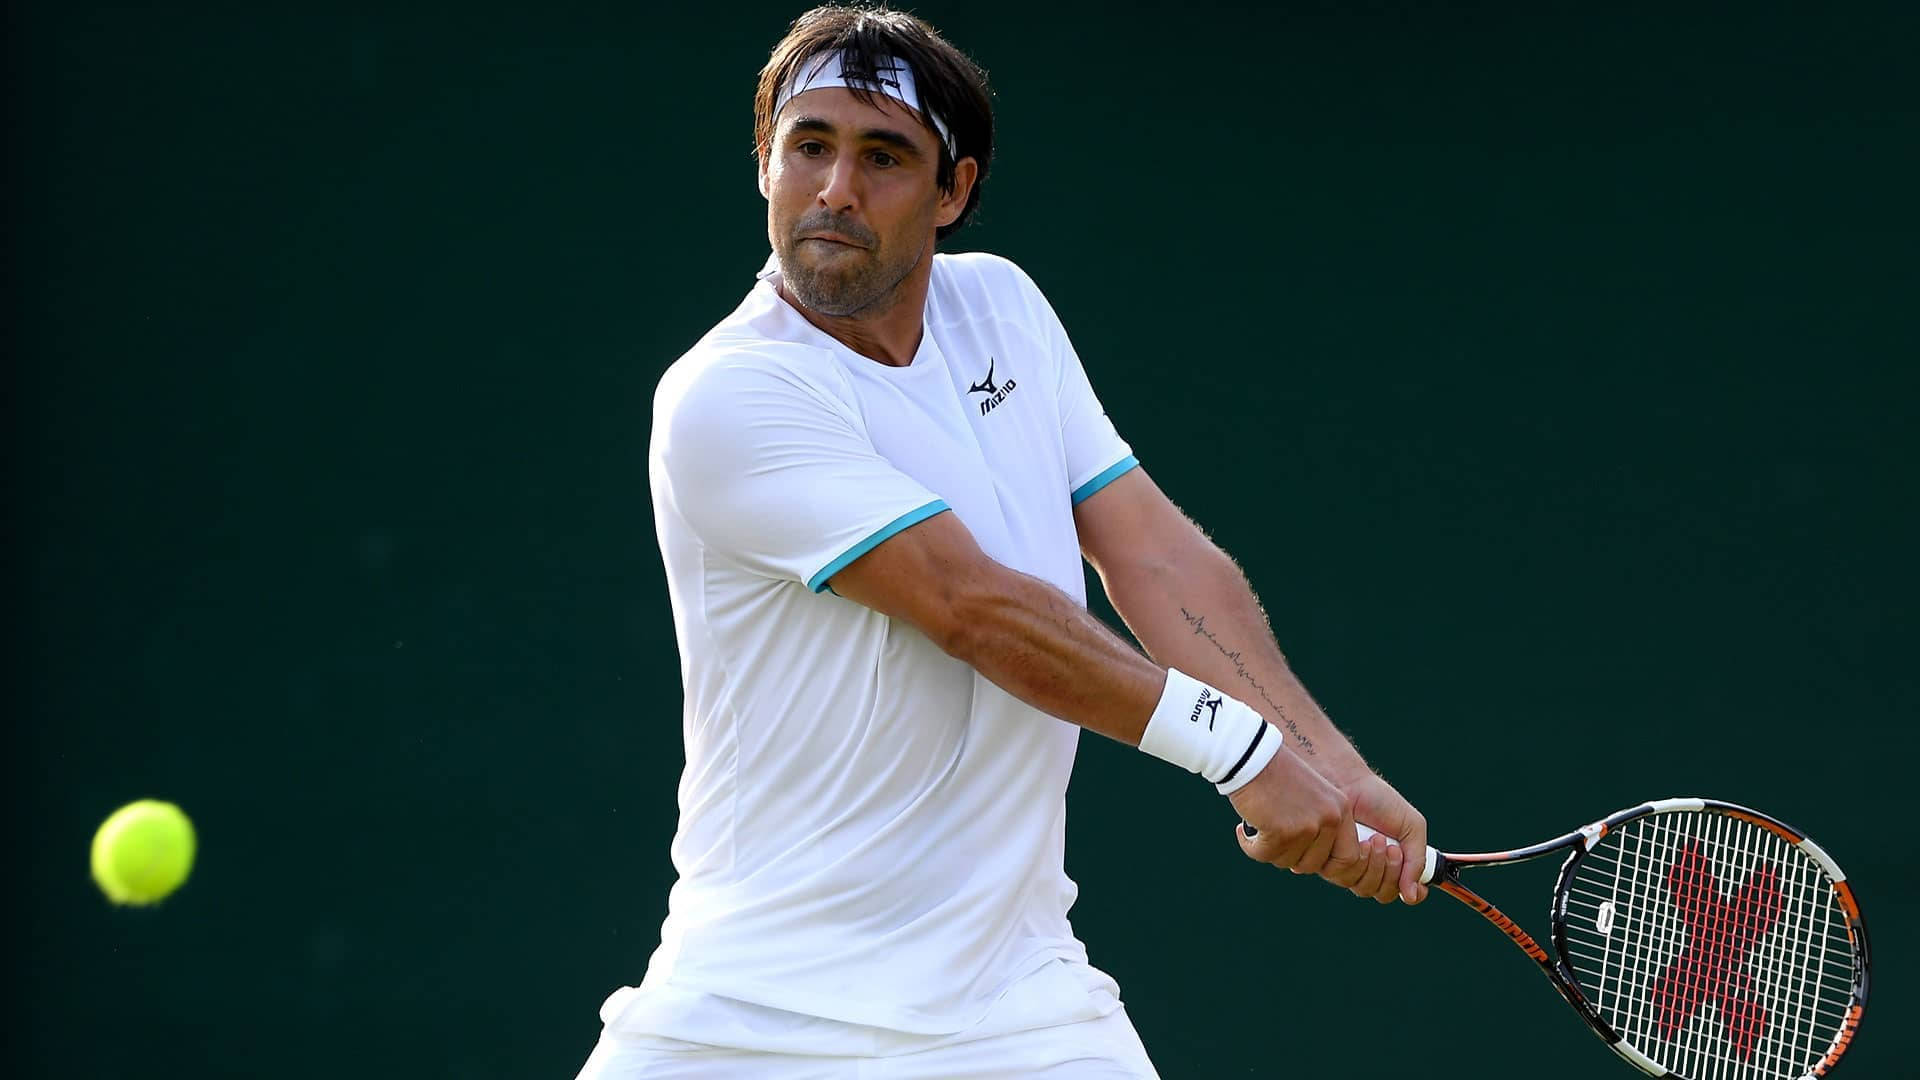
x=874, y=484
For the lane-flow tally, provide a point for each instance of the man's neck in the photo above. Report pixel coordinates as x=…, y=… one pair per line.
x=886, y=332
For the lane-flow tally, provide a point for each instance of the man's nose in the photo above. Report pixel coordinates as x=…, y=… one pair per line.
x=838, y=189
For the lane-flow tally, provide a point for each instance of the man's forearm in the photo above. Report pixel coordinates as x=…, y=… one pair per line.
x=1043, y=647
x=1035, y=642
x=1195, y=611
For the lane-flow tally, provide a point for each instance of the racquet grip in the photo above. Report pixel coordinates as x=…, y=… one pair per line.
x=1366, y=834
x=1433, y=856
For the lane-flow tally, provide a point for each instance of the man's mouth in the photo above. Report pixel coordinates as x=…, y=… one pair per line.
x=831, y=238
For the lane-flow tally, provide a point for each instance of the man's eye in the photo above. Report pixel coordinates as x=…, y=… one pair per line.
x=884, y=159
x=812, y=149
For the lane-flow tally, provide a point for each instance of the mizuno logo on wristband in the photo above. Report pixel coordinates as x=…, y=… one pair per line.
x=1209, y=701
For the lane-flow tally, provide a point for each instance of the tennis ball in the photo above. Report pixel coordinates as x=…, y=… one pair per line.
x=143, y=852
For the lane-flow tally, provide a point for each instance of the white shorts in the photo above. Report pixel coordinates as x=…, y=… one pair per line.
x=1105, y=1048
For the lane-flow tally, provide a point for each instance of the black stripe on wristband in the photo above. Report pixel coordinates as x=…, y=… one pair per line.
x=1242, y=763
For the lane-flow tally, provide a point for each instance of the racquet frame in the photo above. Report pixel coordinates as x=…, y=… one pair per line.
x=1445, y=876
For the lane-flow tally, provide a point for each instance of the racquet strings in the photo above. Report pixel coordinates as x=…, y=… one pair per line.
x=1712, y=945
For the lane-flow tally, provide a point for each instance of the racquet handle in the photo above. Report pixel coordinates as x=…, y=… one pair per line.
x=1366, y=834
x=1433, y=856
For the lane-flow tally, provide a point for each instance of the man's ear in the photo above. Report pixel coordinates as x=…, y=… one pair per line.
x=965, y=171
x=763, y=178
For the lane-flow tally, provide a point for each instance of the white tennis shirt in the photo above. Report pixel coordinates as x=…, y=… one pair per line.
x=871, y=834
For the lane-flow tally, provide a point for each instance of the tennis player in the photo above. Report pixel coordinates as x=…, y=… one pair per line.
x=874, y=483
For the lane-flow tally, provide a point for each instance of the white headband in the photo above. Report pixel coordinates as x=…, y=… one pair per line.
x=889, y=77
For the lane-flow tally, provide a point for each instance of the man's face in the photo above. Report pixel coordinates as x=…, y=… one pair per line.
x=852, y=202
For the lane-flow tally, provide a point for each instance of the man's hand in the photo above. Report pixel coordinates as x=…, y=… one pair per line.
x=1301, y=821
x=1312, y=830
x=1392, y=869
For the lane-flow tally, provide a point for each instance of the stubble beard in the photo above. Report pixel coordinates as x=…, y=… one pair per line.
x=868, y=287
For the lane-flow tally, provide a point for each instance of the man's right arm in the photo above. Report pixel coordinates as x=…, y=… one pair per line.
x=1036, y=643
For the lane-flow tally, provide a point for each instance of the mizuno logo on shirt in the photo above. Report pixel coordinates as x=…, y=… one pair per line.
x=1209, y=701
x=995, y=394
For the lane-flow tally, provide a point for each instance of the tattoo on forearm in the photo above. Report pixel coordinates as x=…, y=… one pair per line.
x=1199, y=624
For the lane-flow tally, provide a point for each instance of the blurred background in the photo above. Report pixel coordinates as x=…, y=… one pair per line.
x=1557, y=367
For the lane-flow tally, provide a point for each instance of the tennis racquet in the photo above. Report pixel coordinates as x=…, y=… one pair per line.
x=1699, y=939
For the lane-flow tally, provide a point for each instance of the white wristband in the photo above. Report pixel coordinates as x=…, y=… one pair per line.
x=1265, y=747
x=1203, y=730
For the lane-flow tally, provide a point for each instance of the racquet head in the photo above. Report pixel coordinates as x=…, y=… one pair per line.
x=1712, y=941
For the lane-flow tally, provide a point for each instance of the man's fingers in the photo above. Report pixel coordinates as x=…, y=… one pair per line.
x=1325, y=842
x=1407, y=880
x=1390, y=881
x=1381, y=881
x=1260, y=846
x=1372, y=870
x=1378, y=869
x=1414, y=842
x=1346, y=860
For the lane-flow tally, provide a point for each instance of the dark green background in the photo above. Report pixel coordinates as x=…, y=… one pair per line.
x=1550, y=372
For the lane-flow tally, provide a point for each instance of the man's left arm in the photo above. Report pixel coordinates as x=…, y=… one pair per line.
x=1191, y=608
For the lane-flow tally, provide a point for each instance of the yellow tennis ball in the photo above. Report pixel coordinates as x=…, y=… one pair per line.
x=143, y=852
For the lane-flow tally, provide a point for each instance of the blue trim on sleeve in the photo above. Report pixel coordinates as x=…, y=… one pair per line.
x=1107, y=476
x=818, y=582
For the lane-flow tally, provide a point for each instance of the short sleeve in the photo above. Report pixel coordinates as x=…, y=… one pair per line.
x=1096, y=454
x=774, y=474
